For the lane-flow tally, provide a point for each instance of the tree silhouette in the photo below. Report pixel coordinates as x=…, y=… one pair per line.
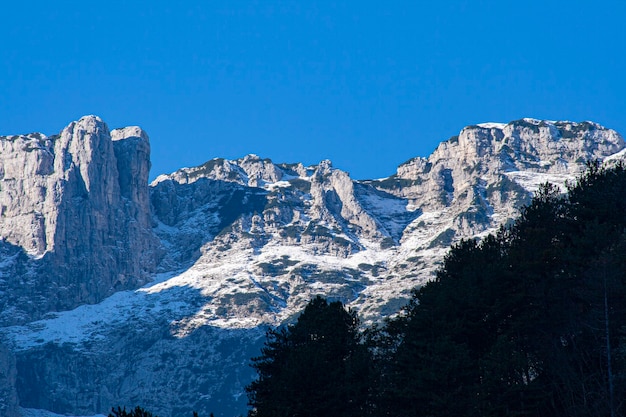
x=314, y=367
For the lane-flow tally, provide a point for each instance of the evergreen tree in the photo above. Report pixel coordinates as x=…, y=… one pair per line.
x=136, y=412
x=317, y=366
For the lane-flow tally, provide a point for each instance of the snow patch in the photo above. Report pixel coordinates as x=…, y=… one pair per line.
x=34, y=412
x=277, y=184
x=492, y=125
x=532, y=181
x=619, y=156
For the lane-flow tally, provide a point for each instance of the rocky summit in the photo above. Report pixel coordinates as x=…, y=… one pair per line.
x=119, y=292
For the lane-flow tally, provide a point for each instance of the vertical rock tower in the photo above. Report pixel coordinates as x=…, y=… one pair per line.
x=77, y=205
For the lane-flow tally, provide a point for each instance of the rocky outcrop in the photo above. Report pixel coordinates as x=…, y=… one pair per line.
x=250, y=171
x=78, y=205
x=478, y=170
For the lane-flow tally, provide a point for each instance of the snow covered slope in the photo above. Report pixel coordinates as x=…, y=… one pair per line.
x=244, y=244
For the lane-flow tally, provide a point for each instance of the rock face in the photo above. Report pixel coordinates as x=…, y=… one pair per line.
x=227, y=249
x=77, y=205
x=8, y=392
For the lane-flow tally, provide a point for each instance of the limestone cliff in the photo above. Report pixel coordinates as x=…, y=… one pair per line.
x=77, y=204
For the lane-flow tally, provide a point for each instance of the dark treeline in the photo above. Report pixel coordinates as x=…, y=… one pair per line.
x=137, y=412
x=530, y=321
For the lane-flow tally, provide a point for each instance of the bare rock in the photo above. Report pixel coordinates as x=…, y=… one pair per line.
x=78, y=205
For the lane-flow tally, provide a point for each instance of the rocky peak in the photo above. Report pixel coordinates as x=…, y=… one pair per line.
x=324, y=167
x=68, y=200
x=132, y=153
x=467, y=172
x=250, y=170
x=87, y=152
x=335, y=201
x=526, y=144
x=537, y=144
x=259, y=172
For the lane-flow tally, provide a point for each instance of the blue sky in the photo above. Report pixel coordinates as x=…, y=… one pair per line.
x=367, y=84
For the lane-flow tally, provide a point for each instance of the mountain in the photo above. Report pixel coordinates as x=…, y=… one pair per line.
x=119, y=292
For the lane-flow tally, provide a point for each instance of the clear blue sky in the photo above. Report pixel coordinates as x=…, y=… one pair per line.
x=367, y=84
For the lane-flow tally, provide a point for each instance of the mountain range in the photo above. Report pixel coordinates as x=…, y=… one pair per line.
x=117, y=291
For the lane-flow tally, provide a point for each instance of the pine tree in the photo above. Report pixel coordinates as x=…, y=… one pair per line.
x=136, y=412
x=318, y=366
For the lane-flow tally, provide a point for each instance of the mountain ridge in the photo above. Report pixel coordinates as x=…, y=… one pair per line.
x=235, y=246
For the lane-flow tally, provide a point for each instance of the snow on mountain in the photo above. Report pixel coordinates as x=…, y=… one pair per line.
x=244, y=244
x=492, y=125
x=31, y=412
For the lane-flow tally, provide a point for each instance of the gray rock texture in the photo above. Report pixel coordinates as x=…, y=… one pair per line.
x=77, y=205
x=8, y=378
